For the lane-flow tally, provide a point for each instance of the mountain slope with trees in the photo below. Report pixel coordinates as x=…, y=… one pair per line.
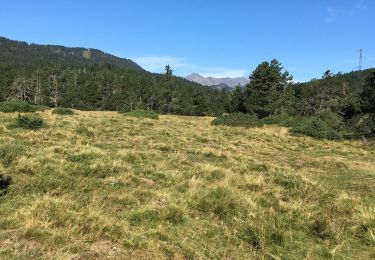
x=90, y=79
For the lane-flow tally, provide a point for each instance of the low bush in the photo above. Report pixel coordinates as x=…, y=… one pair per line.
x=62, y=111
x=29, y=122
x=19, y=106
x=237, y=119
x=317, y=128
x=362, y=125
x=332, y=119
x=281, y=120
x=5, y=181
x=141, y=113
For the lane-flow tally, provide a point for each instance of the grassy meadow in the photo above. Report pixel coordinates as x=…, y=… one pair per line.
x=96, y=185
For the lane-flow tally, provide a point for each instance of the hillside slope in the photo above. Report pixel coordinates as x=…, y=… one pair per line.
x=90, y=79
x=22, y=54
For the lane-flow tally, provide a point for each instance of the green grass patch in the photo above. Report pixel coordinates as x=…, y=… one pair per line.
x=141, y=113
x=62, y=111
x=222, y=203
x=10, y=151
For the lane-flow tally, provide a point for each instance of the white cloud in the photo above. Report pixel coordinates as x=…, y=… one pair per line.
x=183, y=68
x=332, y=14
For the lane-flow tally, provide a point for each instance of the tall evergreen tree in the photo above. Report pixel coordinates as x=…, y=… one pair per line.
x=264, y=93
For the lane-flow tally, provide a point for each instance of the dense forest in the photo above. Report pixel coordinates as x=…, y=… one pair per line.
x=89, y=79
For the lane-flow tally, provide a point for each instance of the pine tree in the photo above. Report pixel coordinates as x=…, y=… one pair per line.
x=264, y=93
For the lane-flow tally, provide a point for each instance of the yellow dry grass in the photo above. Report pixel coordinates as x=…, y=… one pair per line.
x=103, y=185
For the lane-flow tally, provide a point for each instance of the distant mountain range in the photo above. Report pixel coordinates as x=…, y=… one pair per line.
x=218, y=83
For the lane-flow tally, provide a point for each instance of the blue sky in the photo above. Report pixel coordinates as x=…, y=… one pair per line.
x=211, y=37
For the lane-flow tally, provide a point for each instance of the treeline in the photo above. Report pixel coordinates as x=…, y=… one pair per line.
x=89, y=79
x=99, y=88
x=346, y=102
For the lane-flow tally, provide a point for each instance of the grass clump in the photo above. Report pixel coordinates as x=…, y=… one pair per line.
x=19, y=106
x=10, y=151
x=222, y=203
x=317, y=128
x=62, y=111
x=237, y=119
x=5, y=181
x=83, y=130
x=141, y=113
x=29, y=122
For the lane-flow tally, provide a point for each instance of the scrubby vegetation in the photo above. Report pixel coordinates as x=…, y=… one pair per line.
x=281, y=120
x=62, y=111
x=158, y=190
x=19, y=106
x=29, y=122
x=237, y=119
x=141, y=113
x=317, y=128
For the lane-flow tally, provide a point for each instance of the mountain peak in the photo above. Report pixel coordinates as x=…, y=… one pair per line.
x=194, y=75
x=217, y=82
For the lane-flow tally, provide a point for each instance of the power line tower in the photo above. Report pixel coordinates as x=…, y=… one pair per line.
x=360, y=59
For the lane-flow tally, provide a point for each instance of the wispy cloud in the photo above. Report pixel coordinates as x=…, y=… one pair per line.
x=332, y=14
x=358, y=9
x=184, y=68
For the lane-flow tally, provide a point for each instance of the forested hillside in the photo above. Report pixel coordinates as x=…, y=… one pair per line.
x=90, y=79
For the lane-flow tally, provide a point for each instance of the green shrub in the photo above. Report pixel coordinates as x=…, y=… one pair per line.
x=5, y=181
x=19, y=106
x=29, y=122
x=331, y=118
x=141, y=113
x=362, y=124
x=62, y=111
x=237, y=119
x=281, y=120
x=317, y=128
